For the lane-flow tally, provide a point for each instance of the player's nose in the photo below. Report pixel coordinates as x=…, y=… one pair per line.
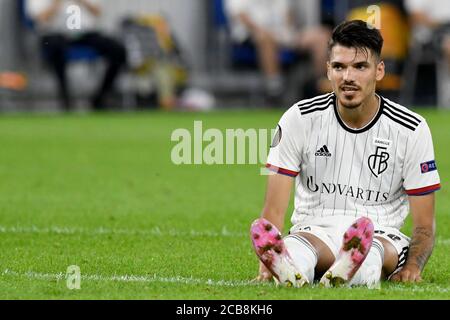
x=348, y=75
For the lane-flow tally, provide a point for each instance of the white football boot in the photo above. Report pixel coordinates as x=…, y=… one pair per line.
x=270, y=248
x=355, y=247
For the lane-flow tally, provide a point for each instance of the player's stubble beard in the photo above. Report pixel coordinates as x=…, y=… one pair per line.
x=349, y=99
x=352, y=100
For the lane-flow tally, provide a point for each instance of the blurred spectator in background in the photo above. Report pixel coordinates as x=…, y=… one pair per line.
x=270, y=25
x=393, y=24
x=431, y=20
x=155, y=58
x=58, y=34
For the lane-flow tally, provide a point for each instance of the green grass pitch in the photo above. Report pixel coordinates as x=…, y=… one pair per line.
x=100, y=192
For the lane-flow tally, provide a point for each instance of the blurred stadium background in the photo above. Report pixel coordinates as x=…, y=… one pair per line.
x=223, y=74
x=99, y=190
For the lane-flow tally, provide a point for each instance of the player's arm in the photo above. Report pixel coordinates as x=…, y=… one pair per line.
x=422, y=240
x=276, y=202
x=278, y=194
x=284, y=160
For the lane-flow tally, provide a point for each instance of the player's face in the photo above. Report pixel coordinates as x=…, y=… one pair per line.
x=353, y=74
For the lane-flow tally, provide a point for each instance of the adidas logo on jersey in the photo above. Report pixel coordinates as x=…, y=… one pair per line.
x=323, y=152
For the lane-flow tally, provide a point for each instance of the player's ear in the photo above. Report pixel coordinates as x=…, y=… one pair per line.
x=381, y=70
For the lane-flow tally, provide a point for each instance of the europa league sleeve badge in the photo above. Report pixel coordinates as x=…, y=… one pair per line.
x=277, y=137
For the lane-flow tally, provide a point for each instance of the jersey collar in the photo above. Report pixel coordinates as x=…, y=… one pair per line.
x=367, y=126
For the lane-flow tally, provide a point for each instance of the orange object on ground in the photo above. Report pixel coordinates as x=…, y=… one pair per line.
x=13, y=81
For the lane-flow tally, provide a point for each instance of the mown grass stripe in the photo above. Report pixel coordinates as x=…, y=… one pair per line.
x=155, y=231
x=192, y=281
x=136, y=278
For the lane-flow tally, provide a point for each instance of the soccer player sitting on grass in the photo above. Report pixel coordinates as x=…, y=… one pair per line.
x=361, y=162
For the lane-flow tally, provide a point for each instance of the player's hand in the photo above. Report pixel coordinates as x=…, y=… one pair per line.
x=264, y=274
x=409, y=273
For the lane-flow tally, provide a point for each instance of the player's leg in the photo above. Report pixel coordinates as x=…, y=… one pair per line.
x=370, y=272
x=396, y=247
x=390, y=259
x=272, y=252
x=356, y=245
x=388, y=253
x=309, y=253
x=294, y=259
x=302, y=244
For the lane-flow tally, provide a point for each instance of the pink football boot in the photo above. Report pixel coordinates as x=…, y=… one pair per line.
x=355, y=247
x=269, y=247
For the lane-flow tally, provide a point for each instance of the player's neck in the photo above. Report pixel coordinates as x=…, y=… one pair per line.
x=359, y=117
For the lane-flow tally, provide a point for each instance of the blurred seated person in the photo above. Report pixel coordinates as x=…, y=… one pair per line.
x=52, y=19
x=432, y=17
x=269, y=25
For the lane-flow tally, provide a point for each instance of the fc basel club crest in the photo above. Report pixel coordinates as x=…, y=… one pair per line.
x=378, y=161
x=277, y=137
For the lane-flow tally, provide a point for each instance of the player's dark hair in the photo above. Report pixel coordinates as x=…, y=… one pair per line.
x=359, y=35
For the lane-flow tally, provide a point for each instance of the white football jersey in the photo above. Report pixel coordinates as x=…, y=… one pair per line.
x=341, y=171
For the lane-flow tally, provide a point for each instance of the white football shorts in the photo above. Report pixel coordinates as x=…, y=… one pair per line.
x=331, y=231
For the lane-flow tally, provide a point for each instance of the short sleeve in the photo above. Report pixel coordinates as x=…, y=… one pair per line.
x=287, y=145
x=420, y=172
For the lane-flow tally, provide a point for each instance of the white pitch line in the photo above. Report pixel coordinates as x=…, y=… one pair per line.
x=155, y=231
x=188, y=281
x=136, y=278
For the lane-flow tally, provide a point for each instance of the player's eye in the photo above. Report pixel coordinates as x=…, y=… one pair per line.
x=361, y=67
x=338, y=68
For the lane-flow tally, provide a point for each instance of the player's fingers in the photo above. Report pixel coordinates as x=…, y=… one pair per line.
x=262, y=277
x=412, y=277
x=395, y=277
x=405, y=276
x=402, y=276
x=257, y=279
x=417, y=278
x=266, y=276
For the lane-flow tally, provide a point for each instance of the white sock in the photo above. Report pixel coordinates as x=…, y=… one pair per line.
x=303, y=254
x=369, y=273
